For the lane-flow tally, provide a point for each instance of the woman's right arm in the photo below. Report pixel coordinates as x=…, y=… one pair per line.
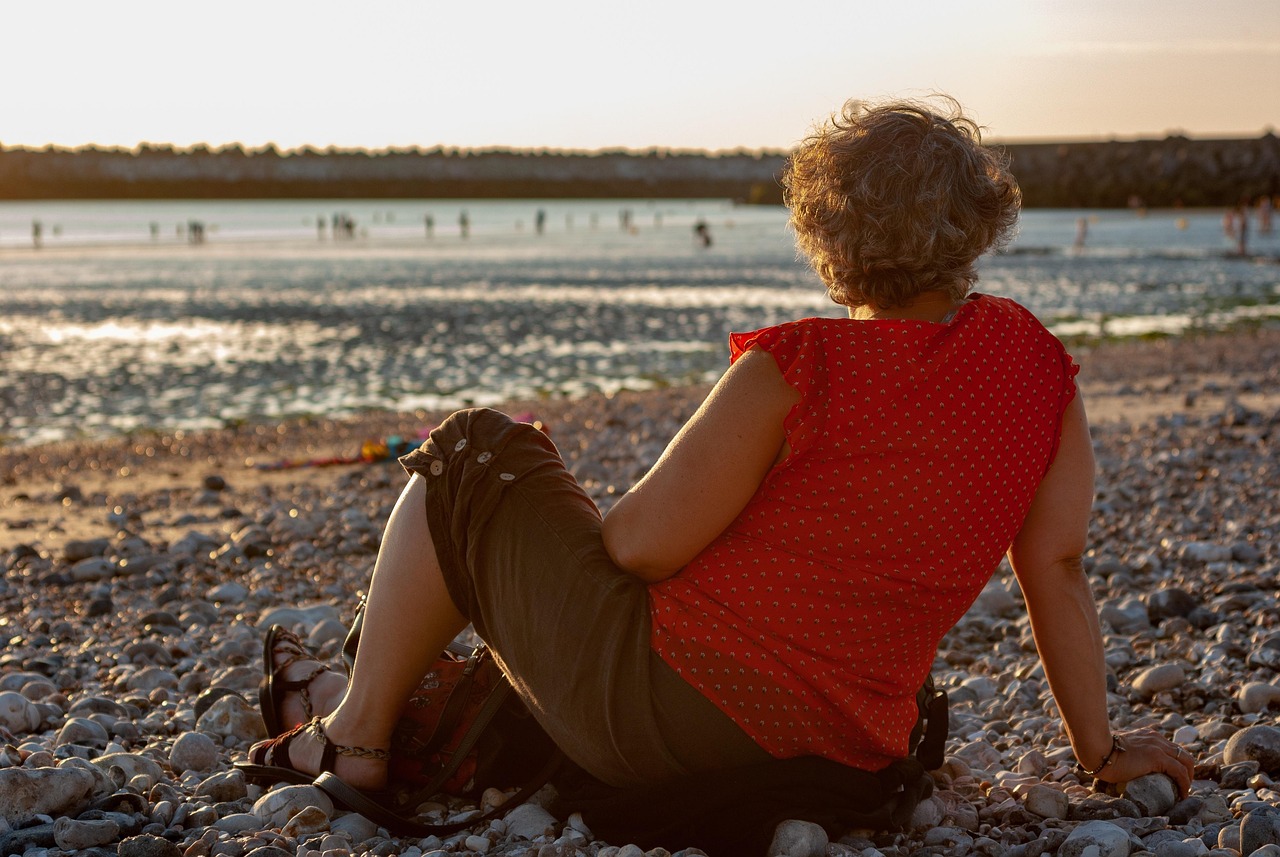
x=1046, y=557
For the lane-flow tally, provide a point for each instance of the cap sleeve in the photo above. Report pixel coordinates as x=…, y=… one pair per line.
x=799, y=351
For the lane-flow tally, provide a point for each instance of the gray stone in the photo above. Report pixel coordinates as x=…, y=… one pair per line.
x=230, y=592
x=194, y=544
x=103, y=785
x=798, y=839
x=327, y=632
x=223, y=787
x=529, y=821
x=1125, y=616
x=232, y=717
x=28, y=838
x=1168, y=602
x=272, y=851
x=953, y=838
x=1268, y=850
x=132, y=764
x=1154, y=794
x=309, y=820
x=1181, y=848
x=97, y=705
x=93, y=568
x=1159, y=678
x=276, y=807
x=18, y=714
x=1047, y=802
x=193, y=751
x=238, y=822
x=290, y=617
x=77, y=549
x=73, y=835
x=1259, y=828
x=148, y=679
x=1204, y=552
x=82, y=730
x=928, y=813
x=28, y=792
x=1258, y=743
x=1257, y=696
x=357, y=827
x=1096, y=839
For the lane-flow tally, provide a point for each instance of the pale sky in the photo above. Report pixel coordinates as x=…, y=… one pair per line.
x=564, y=74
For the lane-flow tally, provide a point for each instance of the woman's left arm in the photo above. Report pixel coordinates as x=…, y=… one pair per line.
x=706, y=475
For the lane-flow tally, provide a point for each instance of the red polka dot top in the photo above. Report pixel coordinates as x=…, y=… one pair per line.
x=916, y=450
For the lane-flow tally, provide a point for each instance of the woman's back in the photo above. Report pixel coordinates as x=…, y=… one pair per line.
x=915, y=452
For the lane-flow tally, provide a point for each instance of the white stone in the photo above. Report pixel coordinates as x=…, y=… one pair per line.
x=1047, y=802
x=1159, y=678
x=277, y=806
x=798, y=839
x=73, y=835
x=132, y=764
x=1154, y=794
x=355, y=825
x=193, y=751
x=231, y=717
x=1257, y=696
x=529, y=821
x=28, y=792
x=308, y=820
x=1096, y=839
x=18, y=714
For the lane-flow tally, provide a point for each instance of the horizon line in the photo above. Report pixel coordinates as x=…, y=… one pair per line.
x=312, y=149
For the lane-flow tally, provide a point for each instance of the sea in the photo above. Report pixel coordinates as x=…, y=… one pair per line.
x=118, y=317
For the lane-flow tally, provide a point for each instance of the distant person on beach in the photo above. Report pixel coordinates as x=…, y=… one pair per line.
x=1241, y=230
x=1082, y=232
x=37, y=234
x=702, y=233
x=540, y=221
x=775, y=589
x=430, y=223
x=464, y=225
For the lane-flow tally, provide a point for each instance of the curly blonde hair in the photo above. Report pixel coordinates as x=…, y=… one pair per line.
x=892, y=200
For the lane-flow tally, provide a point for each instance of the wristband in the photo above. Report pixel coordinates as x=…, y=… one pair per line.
x=1116, y=747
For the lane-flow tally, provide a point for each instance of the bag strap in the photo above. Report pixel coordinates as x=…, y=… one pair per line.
x=492, y=705
x=456, y=705
x=357, y=801
x=932, y=750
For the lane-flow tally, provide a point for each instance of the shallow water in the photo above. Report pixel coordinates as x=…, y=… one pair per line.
x=104, y=330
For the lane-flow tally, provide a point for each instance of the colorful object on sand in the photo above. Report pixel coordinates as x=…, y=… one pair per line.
x=374, y=451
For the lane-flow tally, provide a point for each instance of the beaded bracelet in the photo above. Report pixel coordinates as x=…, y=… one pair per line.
x=1116, y=747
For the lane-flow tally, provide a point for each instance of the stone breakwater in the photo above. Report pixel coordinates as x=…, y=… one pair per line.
x=136, y=591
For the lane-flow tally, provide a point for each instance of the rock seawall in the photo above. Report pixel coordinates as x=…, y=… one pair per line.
x=1175, y=170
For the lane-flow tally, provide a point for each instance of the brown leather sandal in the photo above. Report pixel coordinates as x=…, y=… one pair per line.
x=269, y=760
x=273, y=687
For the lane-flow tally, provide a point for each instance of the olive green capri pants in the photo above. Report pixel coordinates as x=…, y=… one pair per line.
x=519, y=544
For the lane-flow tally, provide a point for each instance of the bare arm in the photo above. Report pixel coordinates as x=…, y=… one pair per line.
x=707, y=473
x=1046, y=557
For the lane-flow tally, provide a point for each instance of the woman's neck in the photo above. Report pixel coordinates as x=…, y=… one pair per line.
x=927, y=306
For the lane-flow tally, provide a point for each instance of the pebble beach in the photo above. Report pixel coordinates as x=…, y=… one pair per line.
x=140, y=574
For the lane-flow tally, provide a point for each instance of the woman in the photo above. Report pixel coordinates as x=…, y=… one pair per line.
x=777, y=585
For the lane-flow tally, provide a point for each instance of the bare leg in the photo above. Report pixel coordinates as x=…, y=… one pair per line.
x=409, y=619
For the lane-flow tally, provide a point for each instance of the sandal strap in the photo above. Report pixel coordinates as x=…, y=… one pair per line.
x=278, y=748
x=331, y=750
x=303, y=686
